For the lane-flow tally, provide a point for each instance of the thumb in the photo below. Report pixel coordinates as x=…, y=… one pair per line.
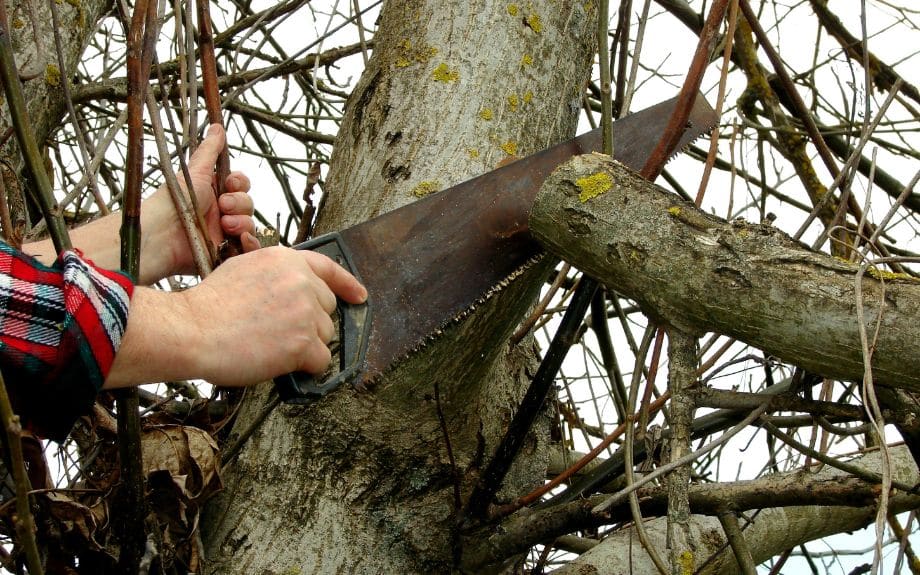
x=342, y=283
x=202, y=161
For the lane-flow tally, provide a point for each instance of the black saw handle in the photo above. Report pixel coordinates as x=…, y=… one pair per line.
x=354, y=327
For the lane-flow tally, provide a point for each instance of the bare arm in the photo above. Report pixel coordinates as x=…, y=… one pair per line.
x=164, y=249
x=259, y=315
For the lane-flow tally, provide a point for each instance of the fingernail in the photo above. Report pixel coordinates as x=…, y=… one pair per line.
x=212, y=130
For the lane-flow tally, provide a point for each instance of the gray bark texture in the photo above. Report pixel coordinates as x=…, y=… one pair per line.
x=748, y=281
x=362, y=482
x=32, y=36
x=622, y=553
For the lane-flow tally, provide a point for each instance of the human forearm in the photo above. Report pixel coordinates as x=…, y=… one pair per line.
x=164, y=247
x=259, y=315
x=159, y=343
x=99, y=241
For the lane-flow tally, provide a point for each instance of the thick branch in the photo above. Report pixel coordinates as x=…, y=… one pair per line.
x=768, y=532
x=702, y=274
x=796, y=507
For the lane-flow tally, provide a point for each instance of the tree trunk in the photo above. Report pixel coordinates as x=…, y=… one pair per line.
x=748, y=281
x=32, y=36
x=362, y=482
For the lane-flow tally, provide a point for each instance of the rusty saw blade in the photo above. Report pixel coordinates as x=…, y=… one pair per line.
x=427, y=263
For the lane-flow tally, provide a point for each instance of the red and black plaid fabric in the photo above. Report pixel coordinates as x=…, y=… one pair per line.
x=60, y=327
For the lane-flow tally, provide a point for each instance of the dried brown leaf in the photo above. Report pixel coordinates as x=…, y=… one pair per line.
x=189, y=455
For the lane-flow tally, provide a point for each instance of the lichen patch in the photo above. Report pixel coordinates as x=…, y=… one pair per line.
x=590, y=187
x=425, y=188
x=510, y=147
x=444, y=73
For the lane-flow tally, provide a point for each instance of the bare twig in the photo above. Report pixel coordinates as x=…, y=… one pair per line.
x=736, y=539
x=188, y=215
x=603, y=59
x=141, y=47
x=12, y=442
x=232, y=245
x=540, y=308
x=720, y=102
x=855, y=470
x=688, y=92
x=628, y=449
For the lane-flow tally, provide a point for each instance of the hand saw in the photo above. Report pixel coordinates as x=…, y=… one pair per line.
x=429, y=262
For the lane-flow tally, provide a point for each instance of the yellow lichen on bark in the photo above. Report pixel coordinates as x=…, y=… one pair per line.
x=534, y=22
x=425, y=188
x=443, y=73
x=408, y=54
x=509, y=147
x=52, y=75
x=593, y=186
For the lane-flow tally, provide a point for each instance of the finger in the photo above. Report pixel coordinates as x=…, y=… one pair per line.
x=317, y=358
x=324, y=296
x=325, y=329
x=238, y=182
x=237, y=225
x=342, y=283
x=249, y=242
x=203, y=160
x=236, y=203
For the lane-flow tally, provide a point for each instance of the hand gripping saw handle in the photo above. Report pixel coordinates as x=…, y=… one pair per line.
x=354, y=330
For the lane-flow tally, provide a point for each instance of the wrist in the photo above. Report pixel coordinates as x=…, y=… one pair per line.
x=157, y=344
x=158, y=254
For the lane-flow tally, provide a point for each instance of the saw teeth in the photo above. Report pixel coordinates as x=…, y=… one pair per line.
x=369, y=380
x=707, y=131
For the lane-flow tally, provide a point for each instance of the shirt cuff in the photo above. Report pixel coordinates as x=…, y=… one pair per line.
x=60, y=328
x=96, y=302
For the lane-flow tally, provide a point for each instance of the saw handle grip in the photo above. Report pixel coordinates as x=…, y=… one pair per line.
x=354, y=326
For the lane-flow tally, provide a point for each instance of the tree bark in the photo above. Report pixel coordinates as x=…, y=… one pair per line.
x=748, y=281
x=32, y=35
x=362, y=482
x=768, y=532
x=789, y=509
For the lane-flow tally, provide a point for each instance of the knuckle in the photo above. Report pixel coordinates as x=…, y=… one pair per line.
x=317, y=359
x=327, y=329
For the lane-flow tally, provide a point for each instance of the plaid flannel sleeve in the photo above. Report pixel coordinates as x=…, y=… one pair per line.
x=60, y=327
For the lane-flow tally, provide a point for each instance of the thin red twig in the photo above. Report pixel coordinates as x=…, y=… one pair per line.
x=232, y=246
x=688, y=92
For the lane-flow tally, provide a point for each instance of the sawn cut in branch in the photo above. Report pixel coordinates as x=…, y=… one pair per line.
x=748, y=281
x=483, y=250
